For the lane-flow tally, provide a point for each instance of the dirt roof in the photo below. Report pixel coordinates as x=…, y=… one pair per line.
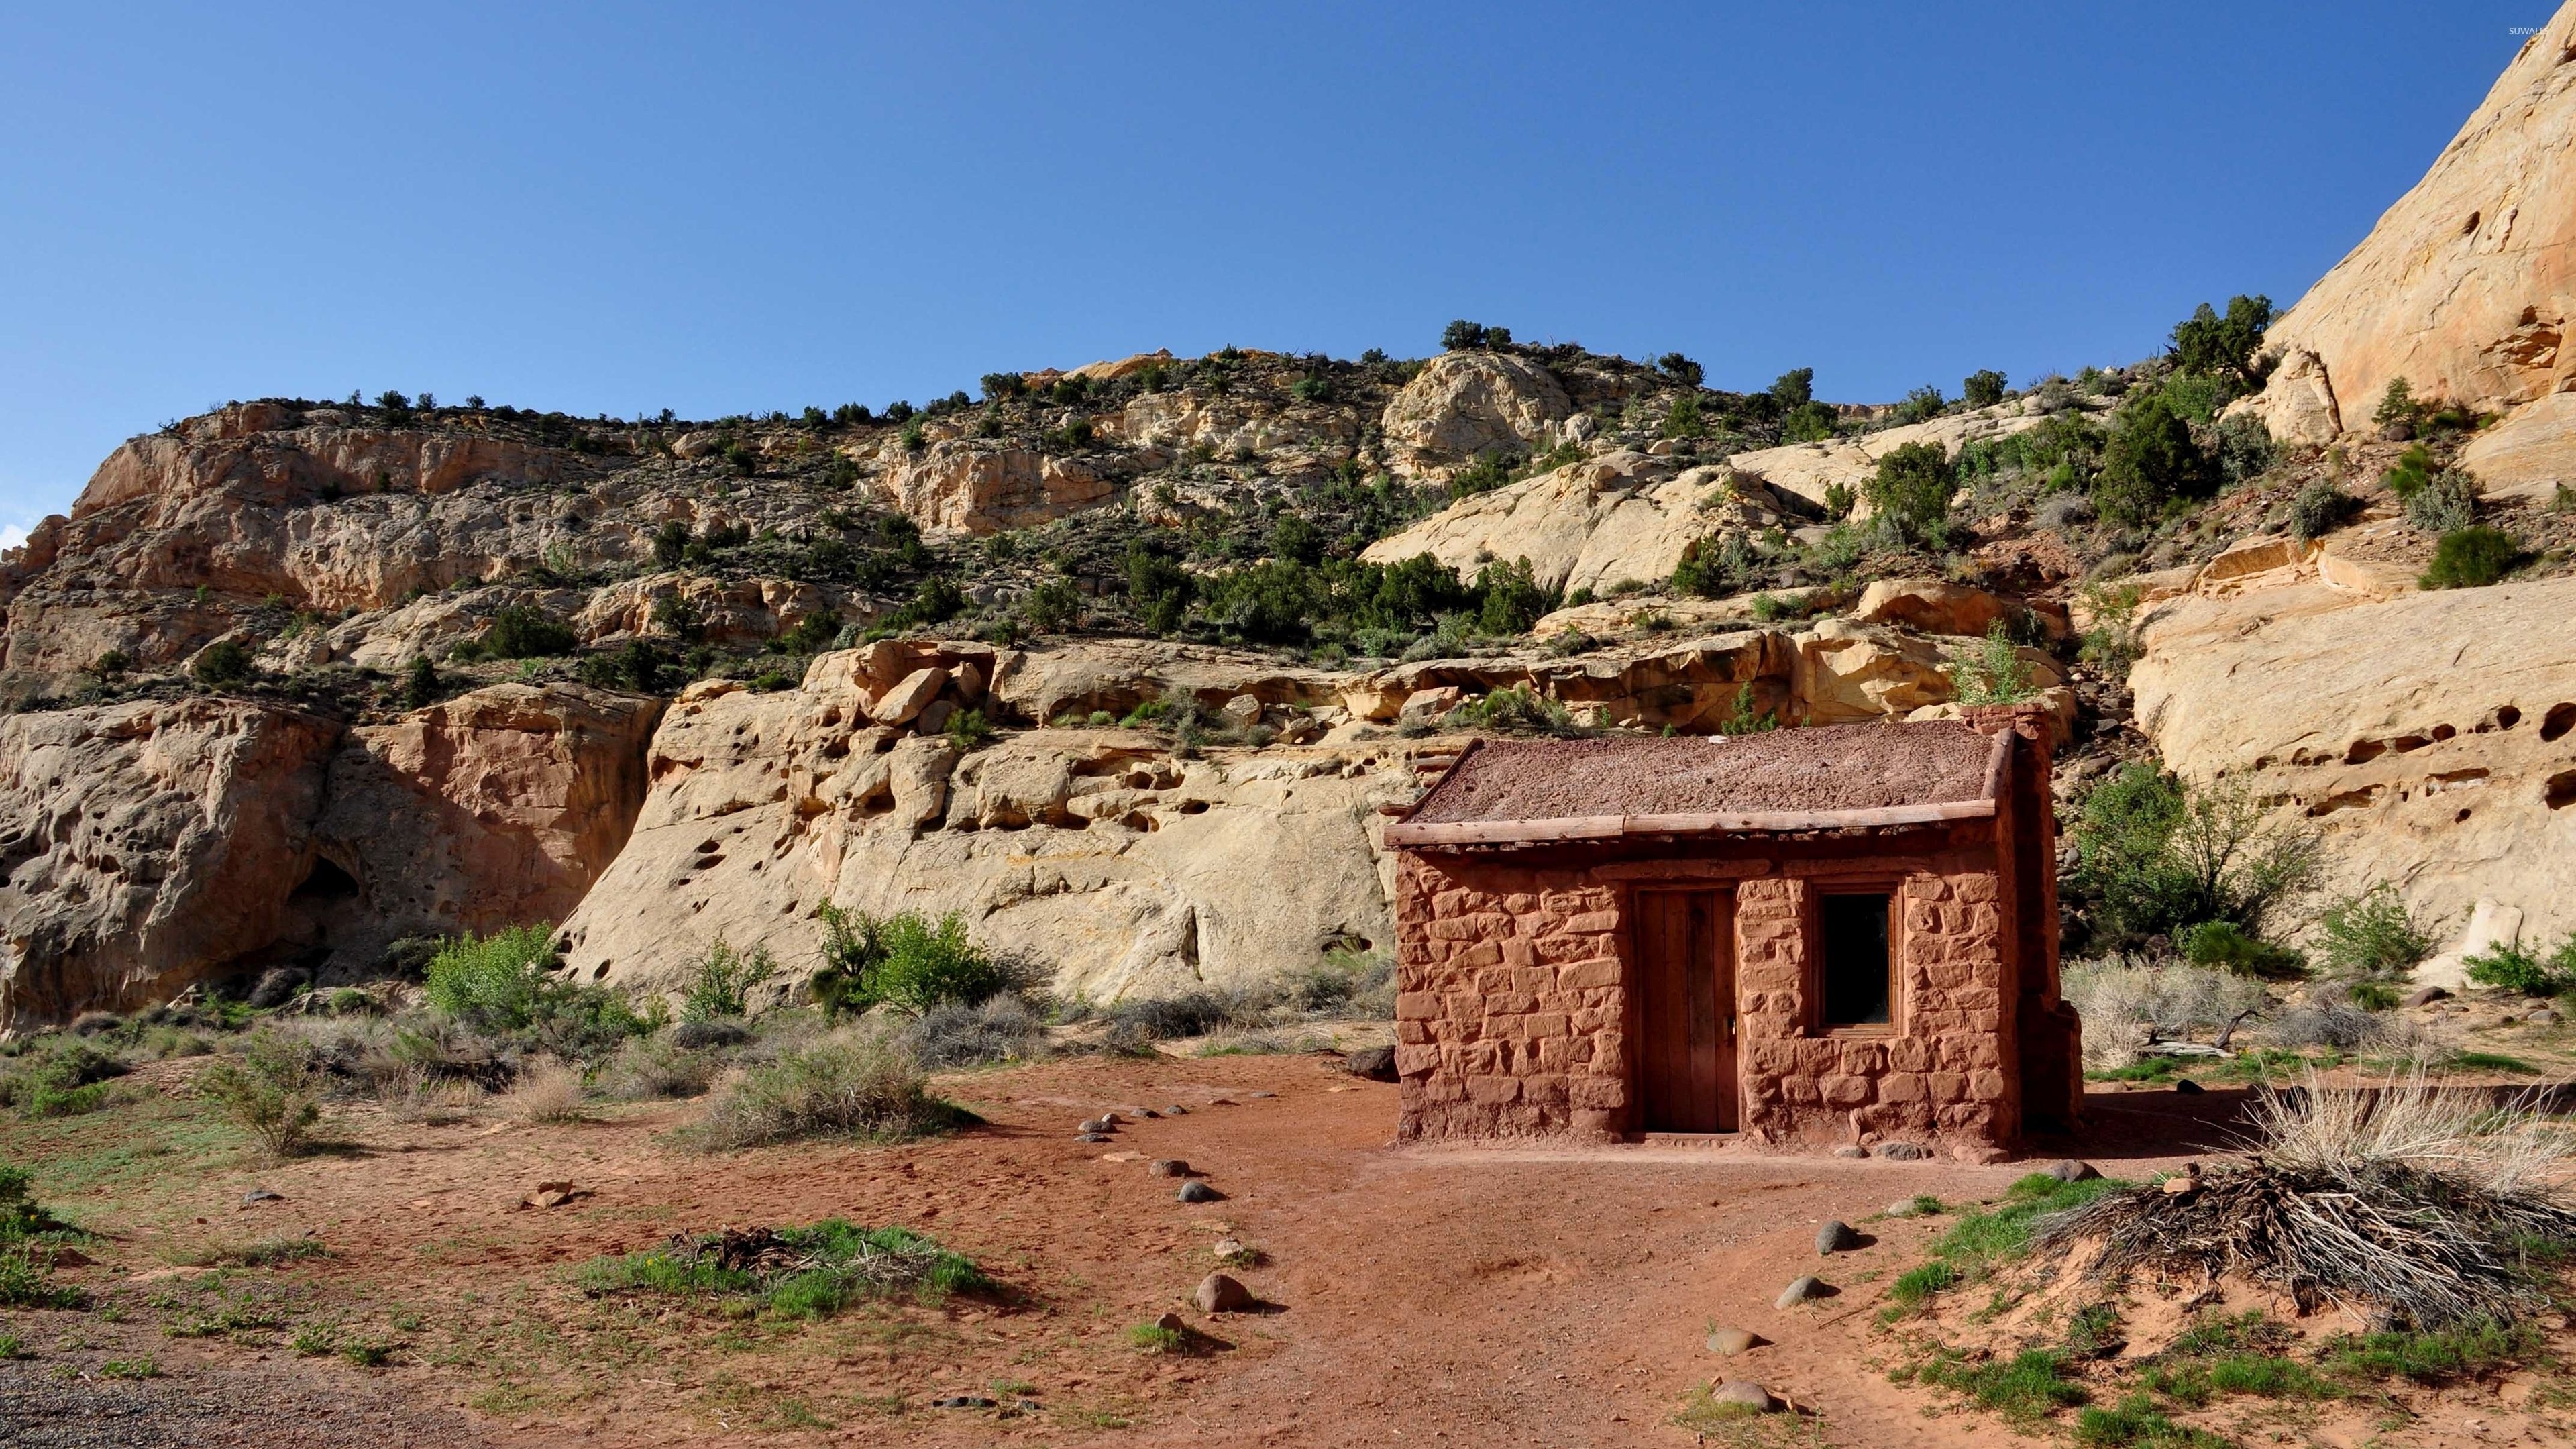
x=1822, y=769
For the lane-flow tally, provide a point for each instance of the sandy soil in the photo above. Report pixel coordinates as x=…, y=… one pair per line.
x=1537, y=1297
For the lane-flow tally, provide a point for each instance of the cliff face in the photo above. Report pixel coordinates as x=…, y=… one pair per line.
x=2465, y=285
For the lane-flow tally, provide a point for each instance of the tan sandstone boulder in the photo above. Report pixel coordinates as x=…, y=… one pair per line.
x=1463, y=405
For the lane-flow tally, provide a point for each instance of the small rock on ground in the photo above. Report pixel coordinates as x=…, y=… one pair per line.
x=2067, y=1169
x=2187, y=1087
x=1221, y=1294
x=1197, y=1191
x=1172, y=1323
x=1902, y=1151
x=1836, y=1236
x=962, y=1401
x=1799, y=1292
x=1745, y=1392
x=2425, y=995
x=1903, y=1208
x=1092, y=1137
x=1847, y=1150
x=1731, y=1341
x=1376, y=1064
x=1176, y=1110
x=1168, y=1167
x=1096, y=1124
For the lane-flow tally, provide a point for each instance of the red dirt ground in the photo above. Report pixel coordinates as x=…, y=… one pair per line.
x=1519, y=1296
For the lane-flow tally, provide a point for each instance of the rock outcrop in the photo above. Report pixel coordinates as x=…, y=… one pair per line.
x=153, y=845
x=1110, y=865
x=150, y=844
x=982, y=489
x=1465, y=405
x=2429, y=737
x=2463, y=287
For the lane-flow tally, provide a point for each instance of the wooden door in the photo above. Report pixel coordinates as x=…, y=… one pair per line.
x=1686, y=1010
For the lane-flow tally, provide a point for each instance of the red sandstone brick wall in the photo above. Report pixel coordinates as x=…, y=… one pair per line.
x=1510, y=1011
x=1511, y=1017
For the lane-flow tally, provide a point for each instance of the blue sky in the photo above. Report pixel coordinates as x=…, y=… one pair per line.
x=728, y=208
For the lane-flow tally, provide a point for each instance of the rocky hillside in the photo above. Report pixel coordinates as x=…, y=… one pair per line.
x=1123, y=663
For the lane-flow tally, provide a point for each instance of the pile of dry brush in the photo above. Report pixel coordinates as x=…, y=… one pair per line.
x=2412, y=1205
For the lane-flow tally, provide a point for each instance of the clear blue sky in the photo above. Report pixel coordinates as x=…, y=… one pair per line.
x=729, y=208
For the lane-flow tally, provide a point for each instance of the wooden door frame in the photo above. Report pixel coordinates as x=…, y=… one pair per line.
x=1632, y=984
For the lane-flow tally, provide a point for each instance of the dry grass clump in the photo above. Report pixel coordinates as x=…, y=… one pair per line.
x=854, y=1084
x=410, y=1092
x=547, y=1091
x=2412, y=1204
x=2126, y=1004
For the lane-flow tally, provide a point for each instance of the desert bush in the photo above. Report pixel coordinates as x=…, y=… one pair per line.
x=649, y=1068
x=1921, y=405
x=903, y=960
x=2150, y=461
x=2111, y=642
x=59, y=1077
x=2065, y=511
x=2123, y=1000
x=504, y=985
x=2512, y=967
x=2226, y=946
x=1991, y=671
x=521, y=631
x=270, y=1091
x=2327, y=1019
x=1003, y=1028
x=1356, y=982
x=2471, y=558
x=711, y=1033
x=1135, y=1025
x=2229, y=346
x=1513, y=710
x=2318, y=508
x=547, y=1091
x=2158, y=855
x=722, y=979
x=2446, y=503
x=861, y=1085
x=1910, y=493
x=2243, y=448
x=2372, y=935
x=1983, y=389
x=410, y=1092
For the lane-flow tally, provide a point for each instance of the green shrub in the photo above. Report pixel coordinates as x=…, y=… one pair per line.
x=520, y=631
x=2514, y=968
x=1982, y=389
x=902, y=960
x=1718, y=566
x=497, y=982
x=2372, y=935
x=2398, y=404
x=270, y=1091
x=2159, y=856
x=2136, y=1424
x=1921, y=405
x=969, y=731
x=505, y=985
x=2150, y=461
x=2446, y=503
x=2226, y=946
x=2471, y=558
x=221, y=663
x=59, y=1077
x=420, y=683
x=722, y=979
x=863, y=1087
x=2433, y=1357
x=2224, y=346
x=2318, y=508
x=1910, y=493
x=1991, y=671
x=1514, y=710
x=1052, y=607
x=1155, y=1338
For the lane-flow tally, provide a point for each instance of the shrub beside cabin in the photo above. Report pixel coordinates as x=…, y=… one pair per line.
x=1813, y=937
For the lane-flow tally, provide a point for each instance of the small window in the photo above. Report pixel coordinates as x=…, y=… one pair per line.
x=1852, y=931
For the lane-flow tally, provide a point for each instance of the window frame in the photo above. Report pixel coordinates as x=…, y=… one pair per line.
x=1812, y=922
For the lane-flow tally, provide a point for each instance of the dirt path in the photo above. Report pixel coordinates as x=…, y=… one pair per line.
x=1415, y=1296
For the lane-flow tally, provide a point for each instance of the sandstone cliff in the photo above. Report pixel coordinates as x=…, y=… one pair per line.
x=2463, y=287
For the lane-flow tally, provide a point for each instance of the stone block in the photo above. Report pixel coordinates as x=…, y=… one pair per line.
x=1594, y=922
x=1947, y=1086
x=1493, y=1089
x=1480, y=953
x=1989, y=1086
x=1593, y=971
x=1416, y=1006
x=1901, y=1087
x=1416, y=1061
x=1518, y=952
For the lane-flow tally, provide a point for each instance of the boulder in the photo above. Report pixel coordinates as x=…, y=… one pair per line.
x=1732, y=1341
x=1743, y=1394
x=909, y=697
x=1933, y=606
x=1377, y=1063
x=1801, y=1290
x=1847, y=671
x=1464, y=405
x=979, y=488
x=1219, y=1293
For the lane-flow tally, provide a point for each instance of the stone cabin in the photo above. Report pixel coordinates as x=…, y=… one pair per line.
x=1819, y=937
